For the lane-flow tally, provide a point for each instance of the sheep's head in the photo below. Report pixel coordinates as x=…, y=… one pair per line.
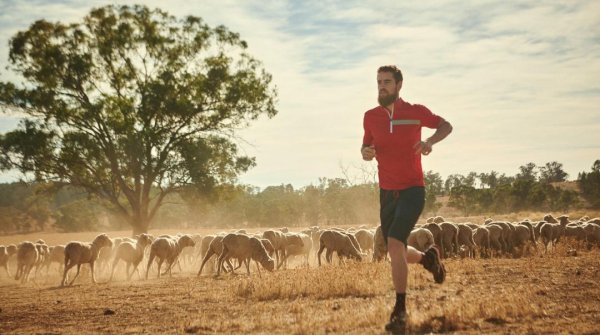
x=102, y=240
x=11, y=249
x=564, y=219
x=40, y=241
x=144, y=239
x=186, y=241
x=269, y=264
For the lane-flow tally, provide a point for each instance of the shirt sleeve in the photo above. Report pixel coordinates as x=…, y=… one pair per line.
x=428, y=119
x=368, y=136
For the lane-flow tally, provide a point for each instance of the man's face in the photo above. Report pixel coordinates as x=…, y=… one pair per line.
x=387, y=88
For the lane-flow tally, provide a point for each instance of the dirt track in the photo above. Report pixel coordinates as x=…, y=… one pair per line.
x=551, y=294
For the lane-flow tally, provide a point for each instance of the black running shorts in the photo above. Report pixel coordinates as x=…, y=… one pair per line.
x=400, y=210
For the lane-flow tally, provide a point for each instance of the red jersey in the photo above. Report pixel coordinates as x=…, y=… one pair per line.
x=398, y=165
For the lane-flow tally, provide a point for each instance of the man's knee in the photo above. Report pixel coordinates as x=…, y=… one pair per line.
x=396, y=246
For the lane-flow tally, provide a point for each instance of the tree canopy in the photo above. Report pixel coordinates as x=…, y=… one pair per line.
x=132, y=104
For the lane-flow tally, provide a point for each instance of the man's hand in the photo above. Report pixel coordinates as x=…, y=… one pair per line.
x=368, y=152
x=423, y=147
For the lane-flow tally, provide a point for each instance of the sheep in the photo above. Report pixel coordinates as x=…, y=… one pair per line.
x=77, y=253
x=277, y=239
x=507, y=230
x=338, y=242
x=365, y=239
x=520, y=238
x=551, y=233
x=188, y=254
x=293, y=248
x=27, y=256
x=289, y=240
x=215, y=248
x=550, y=219
x=495, y=236
x=594, y=220
x=465, y=237
x=353, y=240
x=435, y=229
x=167, y=249
x=43, y=252
x=438, y=219
x=592, y=231
x=131, y=253
x=420, y=239
x=244, y=248
x=379, y=246
x=481, y=237
x=449, y=239
x=56, y=254
x=5, y=253
x=107, y=254
x=575, y=231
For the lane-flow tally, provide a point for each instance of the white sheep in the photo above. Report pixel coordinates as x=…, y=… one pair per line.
x=56, y=254
x=5, y=253
x=340, y=243
x=215, y=247
x=289, y=240
x=77, y=253
x=277, y=239
x=522, y=238
x=449, y=239
x=365, y=239
x=551, y=232
x=481, y=237
x=465, y=238
x=167, y=249
x=27, y=256
x=297, y=244
x=420, y=239
x=131, y=253
x=244, y=248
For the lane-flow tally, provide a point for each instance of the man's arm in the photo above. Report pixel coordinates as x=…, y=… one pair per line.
x=443, y=129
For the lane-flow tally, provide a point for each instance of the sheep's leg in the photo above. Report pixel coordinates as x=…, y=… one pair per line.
x=328, y=255
x=222, y=259
x=231, y=269
x=204, y=260
x=283, y=260
x=150, y=259
x=321, y=248
x=93, y=275
x=7, y=270
x=160, y=261
x=76, y=275
x=114, y=265
x=247, y=261
x=66, y=269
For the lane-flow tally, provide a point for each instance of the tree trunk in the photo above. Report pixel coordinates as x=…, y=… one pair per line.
x=139, y=227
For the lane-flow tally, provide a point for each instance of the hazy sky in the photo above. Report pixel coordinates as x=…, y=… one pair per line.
x=519, y=82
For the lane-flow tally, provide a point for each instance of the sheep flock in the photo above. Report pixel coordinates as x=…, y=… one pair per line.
x=276, y=249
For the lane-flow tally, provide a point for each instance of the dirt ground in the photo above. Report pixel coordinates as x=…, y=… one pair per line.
x=555, y=293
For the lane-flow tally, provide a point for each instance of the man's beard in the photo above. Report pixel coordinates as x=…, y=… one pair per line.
x=386, y=100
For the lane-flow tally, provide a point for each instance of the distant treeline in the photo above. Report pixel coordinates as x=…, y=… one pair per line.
x=34, y=207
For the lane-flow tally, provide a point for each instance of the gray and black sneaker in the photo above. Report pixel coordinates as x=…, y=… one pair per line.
x=432, y=262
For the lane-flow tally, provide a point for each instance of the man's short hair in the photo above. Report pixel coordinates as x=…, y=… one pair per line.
x=393, y=70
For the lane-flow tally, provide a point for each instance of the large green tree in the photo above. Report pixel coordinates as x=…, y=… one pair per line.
x=132, y=104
